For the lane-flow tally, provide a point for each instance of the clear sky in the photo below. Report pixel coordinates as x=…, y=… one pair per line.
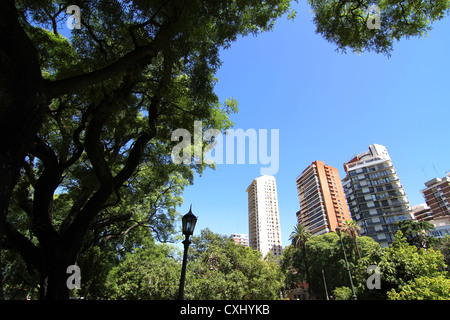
x=327, y=106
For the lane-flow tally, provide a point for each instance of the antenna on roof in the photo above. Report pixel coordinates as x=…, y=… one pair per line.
x=423, y=170
x=437, y=174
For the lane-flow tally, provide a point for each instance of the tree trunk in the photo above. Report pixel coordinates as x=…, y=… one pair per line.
x=308, y=278
x=24, y=96
x=22, y=102
x=357, y=247
x=54, y=278
x=55, y=287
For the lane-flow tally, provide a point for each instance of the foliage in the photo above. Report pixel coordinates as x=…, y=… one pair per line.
x=148, y=273
x=217, y=269
x=324, y=252
x=99, y=168
x=342, y=293
x=292, y=263
x=344, y=23
x=402, y=268
x=416, y=232
x=423, y=288
x=220, y=269
x=399, y=264
x=352, y=228
x=299, y=237
x=443, y=245
x=20, y=280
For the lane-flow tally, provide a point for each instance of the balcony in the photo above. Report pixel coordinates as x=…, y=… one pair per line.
x=361, y=162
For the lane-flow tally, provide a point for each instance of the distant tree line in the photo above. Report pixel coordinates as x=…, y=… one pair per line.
x=413, y=266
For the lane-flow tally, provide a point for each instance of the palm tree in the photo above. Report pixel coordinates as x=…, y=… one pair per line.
x=299, y=237
x=352, y=228
x=415, y=232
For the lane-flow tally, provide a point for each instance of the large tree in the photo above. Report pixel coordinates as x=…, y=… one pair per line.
x=220, y=269
x=324, y=252
x=217, y=269
x=401, y=266
x=423, y=288
x=299, y=237
x=149, y=273
x=351, y=24
x=352, y=228
x=417, y=232
x=105, y=105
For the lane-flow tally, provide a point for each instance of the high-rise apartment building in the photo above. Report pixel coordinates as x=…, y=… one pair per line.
x=263, y=216
x=437, y=196
x=422, y=212
x=323, y=205
x=375, y=195
x=240, y=239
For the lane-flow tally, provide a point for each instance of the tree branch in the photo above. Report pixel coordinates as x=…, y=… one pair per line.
x=120, y=234
x=44, y=190
x=13, y=239
x=141, y=56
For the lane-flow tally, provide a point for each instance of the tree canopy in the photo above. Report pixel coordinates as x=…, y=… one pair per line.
x=400, y=265
x=324, y=252
x=400, y=268
x=114, y=93
x=217, y=269
x=221, y=269
x=345, y=23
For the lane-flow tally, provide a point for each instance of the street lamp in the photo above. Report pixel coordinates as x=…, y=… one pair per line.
x=338, y=231
x=325, y=284
x=188, y=221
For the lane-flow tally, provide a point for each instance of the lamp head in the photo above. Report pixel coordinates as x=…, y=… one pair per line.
x=189, y=221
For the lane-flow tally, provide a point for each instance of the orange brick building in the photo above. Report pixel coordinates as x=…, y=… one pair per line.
x=323, y=206
x=437, y=196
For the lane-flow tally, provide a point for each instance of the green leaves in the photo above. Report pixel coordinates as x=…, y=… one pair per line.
x=217, y=269
x=132, y=74
x=344, y=23
x=220, y=269
x=415, y=232
x=400, y=265
x=323, y=252
x=299, y=236
x=56, y=54
x=146, y=274
x=423, y=288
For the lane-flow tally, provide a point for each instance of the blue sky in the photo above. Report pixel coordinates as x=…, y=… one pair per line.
x=327, y=106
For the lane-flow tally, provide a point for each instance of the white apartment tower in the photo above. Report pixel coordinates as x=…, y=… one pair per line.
x=375, y=195
x=263, y=216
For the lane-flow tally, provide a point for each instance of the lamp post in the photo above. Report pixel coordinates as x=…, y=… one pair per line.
x=325, y=284
x=189, y=221
x=338, y=231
